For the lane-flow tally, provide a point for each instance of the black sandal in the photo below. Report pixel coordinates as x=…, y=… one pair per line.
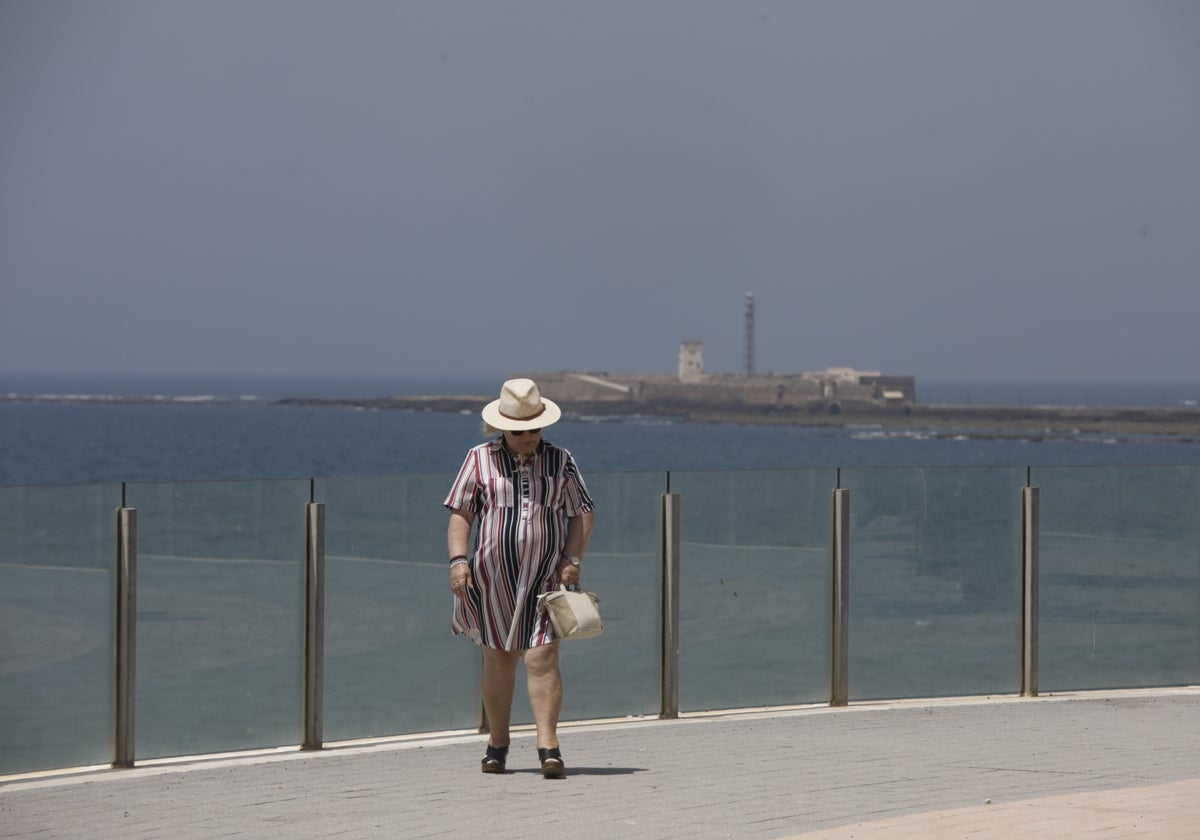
x=493, y=762
x=552, y=763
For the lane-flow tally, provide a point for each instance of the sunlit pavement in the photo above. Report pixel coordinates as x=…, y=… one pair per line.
x=1095, y=765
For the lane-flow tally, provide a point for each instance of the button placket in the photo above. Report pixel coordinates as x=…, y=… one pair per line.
x=526, y=490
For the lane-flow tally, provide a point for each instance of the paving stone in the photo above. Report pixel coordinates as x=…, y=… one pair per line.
x=1110, y=765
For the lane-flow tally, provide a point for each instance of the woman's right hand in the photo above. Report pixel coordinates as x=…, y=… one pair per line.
x=461, y=580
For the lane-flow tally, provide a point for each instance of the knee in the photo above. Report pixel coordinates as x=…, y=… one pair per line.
x=542, y=661
x=500, y=661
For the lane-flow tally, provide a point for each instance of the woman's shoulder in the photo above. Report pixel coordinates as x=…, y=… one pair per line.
x=487, y=455
x=486, y=448
x=559, y=454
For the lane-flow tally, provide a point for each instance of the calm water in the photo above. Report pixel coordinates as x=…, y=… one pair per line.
x=83, y=443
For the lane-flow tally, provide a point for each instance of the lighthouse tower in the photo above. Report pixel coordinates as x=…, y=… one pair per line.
x=749, y=351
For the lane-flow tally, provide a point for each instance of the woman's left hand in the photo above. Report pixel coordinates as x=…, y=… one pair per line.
x=568, y=573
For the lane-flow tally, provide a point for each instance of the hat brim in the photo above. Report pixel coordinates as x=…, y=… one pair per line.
x=549, y=415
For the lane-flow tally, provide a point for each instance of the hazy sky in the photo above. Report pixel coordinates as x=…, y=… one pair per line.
x=947, y=189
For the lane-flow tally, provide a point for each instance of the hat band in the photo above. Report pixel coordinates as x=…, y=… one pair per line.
x=537, y=413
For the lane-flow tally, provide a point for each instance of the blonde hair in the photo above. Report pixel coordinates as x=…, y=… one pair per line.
x=489, y=431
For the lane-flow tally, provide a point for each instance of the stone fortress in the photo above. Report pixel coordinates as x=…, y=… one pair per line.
x=691, y=388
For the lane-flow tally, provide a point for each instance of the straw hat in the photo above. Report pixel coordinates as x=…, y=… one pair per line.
x=520, y=407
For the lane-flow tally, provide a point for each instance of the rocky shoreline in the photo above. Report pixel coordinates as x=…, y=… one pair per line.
x=1026, y=420
x=981, y=421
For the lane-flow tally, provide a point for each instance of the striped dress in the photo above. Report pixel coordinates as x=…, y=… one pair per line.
x=521, y=513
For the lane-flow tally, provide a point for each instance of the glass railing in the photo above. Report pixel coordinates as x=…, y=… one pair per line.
x=935, y=580
x=56, y=626
x=754, y=585
x=390, y=666
x=220, y=594
x=1120, y=596
x=935, y=600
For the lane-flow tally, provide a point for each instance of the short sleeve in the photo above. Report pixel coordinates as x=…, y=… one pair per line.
x=576, y=499
x=463, y=492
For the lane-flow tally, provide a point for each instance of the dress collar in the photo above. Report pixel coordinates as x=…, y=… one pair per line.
x=498, y=443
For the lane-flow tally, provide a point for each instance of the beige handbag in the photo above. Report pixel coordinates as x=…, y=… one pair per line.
x=575, y=615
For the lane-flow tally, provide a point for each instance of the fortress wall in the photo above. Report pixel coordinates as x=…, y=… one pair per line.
x=733, y=392
x=572, y=386
x=716, y=390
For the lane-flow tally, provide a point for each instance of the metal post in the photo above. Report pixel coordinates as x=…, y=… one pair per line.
x=670, y=607
x=1030, y=526
x=126, y=636
x=485, y=726
x=314, y=627
x=839, y=677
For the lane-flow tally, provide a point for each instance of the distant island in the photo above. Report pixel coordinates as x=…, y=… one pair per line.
x=981, y=421
x=988, y=420
x=836, y=397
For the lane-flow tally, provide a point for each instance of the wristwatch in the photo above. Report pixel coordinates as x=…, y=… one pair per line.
x=574, y=561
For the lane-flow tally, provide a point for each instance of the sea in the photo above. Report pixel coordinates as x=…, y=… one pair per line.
x=230, y=427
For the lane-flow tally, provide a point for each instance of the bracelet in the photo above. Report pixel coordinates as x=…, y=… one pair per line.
x=459, y=561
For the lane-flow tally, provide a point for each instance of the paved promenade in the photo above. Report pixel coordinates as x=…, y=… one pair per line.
x=1095, y=765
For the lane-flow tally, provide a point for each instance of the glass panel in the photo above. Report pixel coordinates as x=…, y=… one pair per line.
x=755, y=582
x=616, y=674
x=220, y=633
x=391, y=664
x=1120, y=576
x=935, y=576
x=56, y=626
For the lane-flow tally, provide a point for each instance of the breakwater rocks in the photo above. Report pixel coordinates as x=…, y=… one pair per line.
x=1025, y=420
x=979, y=421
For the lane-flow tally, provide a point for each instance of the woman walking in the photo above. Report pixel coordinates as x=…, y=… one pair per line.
x=533, y=517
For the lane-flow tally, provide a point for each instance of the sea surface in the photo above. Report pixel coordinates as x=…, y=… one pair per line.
x=229, y=428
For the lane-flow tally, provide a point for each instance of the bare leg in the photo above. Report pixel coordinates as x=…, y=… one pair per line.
x=545, y=691
x=496, y=686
